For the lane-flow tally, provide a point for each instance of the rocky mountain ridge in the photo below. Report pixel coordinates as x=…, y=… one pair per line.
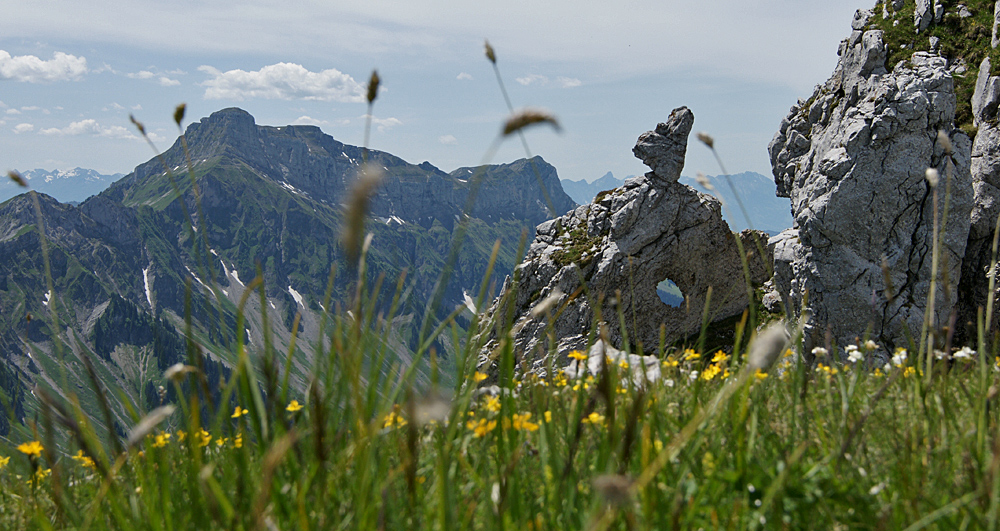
x=67, y=186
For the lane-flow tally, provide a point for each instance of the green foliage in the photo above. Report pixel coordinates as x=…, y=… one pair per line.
x=961, y=39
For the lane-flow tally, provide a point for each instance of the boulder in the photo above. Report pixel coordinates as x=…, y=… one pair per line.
x=852, y=159
x=601, y=263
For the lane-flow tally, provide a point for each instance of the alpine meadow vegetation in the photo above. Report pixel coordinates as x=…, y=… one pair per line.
x=751, y=434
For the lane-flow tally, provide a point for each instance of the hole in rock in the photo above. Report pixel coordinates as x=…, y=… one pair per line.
x=669, y=293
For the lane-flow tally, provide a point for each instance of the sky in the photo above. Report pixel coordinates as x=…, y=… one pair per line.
x=72, y=72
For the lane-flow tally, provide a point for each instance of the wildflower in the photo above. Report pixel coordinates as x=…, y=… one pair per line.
x=691, y=355
x=621, y=390
x=293, y=406
x=32, y=449
x=878, y=373
x=161, y=440
x=910, y=371
x=871, y=345
x=940, y=354
x=238, y=412
x=899, y=358
x=220, y=442
x=658, y=445
x=669, y=382
x=42, y=473
x=478, y=377
x=560, y=379
x=492, y=404
x=711, y=372
x=623, y=364
x=523, y=422
x=819, y=352
x=181, y=435
x=482, y=427
x=788, y=353
x=719, y=357
x=853, y=354
x=693, y=375
x=393, y=419
x=760, y=375
x=238, y=441
x=578, y=355
x=593, y=418
x=830, y=371
x=668, y=363
x=548, y=416
x=203, y=438
x=3, y=462
x=965, y=353
x=83, y=460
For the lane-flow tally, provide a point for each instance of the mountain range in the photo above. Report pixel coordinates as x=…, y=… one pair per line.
x=68, y=186
x=171, y=244
x=767, y=211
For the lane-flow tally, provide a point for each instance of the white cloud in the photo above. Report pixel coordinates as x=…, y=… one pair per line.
x=30, y=108
x=448, y=140
x=23, y=128
x=13, y=111
x=142, y=74
x=464, y=76
x=167, y=82
x=31, y=69
x=114, y=106
x=308, y=120
x=568, y=82
x=282, y=81
x=532, y=78
x=161, y=79
x=137, y=107
x=384, y=124
x=3, y=105
x=89, y=127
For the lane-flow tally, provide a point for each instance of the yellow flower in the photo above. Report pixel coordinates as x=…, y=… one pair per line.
x=578, y=355
x=710, y=372
x=548, y=416
x=878, y=373
x=203, y=438
x=3, y=462
x=393, y=419
x=593, y=418
x=658, y=445
x=670, y=362
x=492, y=404
x=482, y=427
x=221, y=441
x=181, y=435
x=293, y=406
x=42, y=473
x=478, y=377
x=32, y=449
x=719, y=356
x=691, y=355
x=909, y=371
x=522, y=422
x=85, y=461
x=238, y=412
x=238, y=441
x=760, y=375
x=623, y=364
x=161, y=440
x=560, y=379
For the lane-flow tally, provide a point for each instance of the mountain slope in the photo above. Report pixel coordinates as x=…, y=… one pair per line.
x=257, y=197
x=65, y=185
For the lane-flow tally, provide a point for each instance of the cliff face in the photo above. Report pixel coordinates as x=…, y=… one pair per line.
x=853, y=157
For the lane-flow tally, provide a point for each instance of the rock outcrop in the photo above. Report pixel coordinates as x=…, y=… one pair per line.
x=606, y=258
x=852, y=159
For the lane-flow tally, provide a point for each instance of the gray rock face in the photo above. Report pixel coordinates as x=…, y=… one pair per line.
x=663, y=149
x=996, y=21
x=852, y=160
x=923, y=14
x=621, y=246
x=985, y=169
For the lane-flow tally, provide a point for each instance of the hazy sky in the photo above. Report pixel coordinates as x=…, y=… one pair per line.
x=71, y=72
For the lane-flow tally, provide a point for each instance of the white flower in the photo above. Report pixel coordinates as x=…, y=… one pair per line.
x=693, y=375
x=871, y=345
x=940, y=354
x=669, y=382
x=876, y=489
x=887, y=367
x=819, y=352
x=853, y=354
x=900, y=357
x=965, y=353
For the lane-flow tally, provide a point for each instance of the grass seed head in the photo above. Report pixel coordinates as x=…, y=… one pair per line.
x=933, y=177
x=367, y=183
x=944, y=141
x=768, y=345
x=18, y=180
x=138, y=125
x=179, y=113
x=373, y=87
x=525, y=117
x=706, y=139
x=490, y=54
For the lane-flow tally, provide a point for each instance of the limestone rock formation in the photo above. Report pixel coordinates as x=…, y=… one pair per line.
x=608, y=257
x=852, y=159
